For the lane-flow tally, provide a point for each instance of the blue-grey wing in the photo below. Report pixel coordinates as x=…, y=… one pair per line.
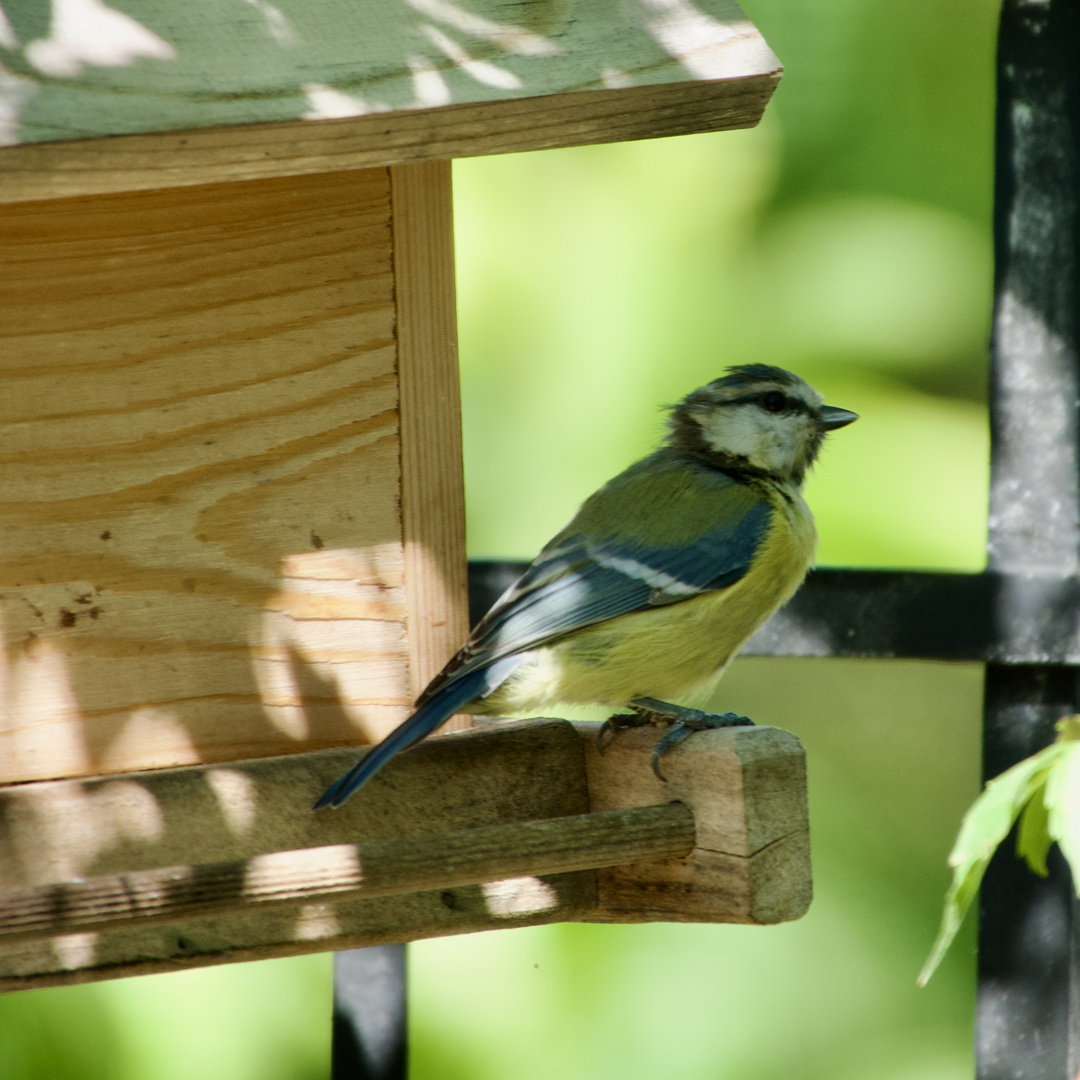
x=617, y=557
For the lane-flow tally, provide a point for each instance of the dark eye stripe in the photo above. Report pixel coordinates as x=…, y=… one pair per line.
x=791, y=405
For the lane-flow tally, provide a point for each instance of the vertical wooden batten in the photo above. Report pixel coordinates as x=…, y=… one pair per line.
x=432, y=483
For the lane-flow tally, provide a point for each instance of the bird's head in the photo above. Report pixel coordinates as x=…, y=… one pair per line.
x=757, y=420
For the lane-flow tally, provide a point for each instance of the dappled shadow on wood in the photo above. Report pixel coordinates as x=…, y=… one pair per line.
x=247, y=810
x=499, y=822
x=381, y=59
x=202, y=476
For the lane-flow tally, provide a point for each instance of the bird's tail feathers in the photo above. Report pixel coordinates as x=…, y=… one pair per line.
x=431, y=715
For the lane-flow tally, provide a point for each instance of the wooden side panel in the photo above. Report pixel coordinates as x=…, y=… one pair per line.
x=432, y=480
x=200, y=536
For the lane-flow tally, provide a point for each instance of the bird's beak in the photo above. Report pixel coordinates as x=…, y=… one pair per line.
x=832, y=418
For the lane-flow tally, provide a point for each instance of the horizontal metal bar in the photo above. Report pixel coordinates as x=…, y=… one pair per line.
x=348, y=871
x=883, y=613
x=896, y=614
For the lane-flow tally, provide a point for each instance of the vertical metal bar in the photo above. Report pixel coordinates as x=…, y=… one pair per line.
x=1026, y=1008
x=369, y=1033
x=1027, y=1012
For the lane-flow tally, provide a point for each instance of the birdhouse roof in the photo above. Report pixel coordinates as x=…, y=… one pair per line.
x=360, y=82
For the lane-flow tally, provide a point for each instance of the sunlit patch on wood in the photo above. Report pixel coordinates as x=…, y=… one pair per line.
x=201, y=543
x=519, y=896
x=75, y=951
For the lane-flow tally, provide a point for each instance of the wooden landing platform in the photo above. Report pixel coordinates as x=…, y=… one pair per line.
x=510, y=824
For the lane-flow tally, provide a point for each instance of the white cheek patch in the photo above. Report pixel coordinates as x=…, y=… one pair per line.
x=773, y=443
x=734, y=431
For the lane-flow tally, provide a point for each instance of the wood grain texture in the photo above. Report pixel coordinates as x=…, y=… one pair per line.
x=432, y=477
x=263, y=150
x=347, y=871
x=89, y=71
x=745, y=788
x=56, y=831
x=200, y=537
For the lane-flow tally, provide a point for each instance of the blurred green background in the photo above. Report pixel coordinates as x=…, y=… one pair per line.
x=846, y=238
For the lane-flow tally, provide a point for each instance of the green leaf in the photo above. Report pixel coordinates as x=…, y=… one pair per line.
x=1068, y=729
x=991, y=816
x=1062, y=801
x=985, y=825
x=965, y=884
x=1033, y=839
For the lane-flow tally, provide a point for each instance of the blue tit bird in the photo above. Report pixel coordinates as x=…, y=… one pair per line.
x=660, y=578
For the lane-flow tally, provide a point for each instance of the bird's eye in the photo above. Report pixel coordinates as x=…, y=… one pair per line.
x=773, y=401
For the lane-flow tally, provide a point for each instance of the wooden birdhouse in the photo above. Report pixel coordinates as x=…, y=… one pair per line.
x=231, y=511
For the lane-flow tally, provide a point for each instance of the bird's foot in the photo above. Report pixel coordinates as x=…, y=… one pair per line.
x=684, y=722
x=611, y=727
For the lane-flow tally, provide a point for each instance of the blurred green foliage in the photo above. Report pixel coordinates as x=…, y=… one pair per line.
x=264, y=1021
x=847, y=238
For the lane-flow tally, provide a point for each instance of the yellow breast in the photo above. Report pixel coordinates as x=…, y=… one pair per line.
x=667, y=652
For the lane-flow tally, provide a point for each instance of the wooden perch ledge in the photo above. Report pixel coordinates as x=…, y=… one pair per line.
x=348, y=871
x=506, y=825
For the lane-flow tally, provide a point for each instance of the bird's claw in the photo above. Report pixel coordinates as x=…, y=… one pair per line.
x=684, y=722
x=684, y=728
x=614, y=724
x=678, y=732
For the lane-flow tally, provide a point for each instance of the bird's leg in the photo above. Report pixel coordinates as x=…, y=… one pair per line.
x=684, y=722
